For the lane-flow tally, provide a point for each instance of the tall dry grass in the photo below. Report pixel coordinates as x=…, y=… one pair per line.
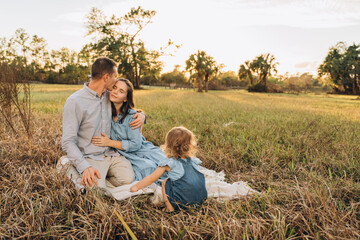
x=305, y=163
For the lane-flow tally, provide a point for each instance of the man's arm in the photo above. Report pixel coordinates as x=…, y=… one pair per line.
x=140, y=120
x=71, y=122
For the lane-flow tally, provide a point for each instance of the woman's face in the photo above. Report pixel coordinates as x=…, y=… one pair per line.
x=119, y=92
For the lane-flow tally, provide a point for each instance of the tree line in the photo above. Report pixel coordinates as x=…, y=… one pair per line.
x=119, y=38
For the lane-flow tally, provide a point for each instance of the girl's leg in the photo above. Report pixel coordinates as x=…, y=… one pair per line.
x=169, y=207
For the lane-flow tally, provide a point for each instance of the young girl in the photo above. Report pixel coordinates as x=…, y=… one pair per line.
x=185, y=184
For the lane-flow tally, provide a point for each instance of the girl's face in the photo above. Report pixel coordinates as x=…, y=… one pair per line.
x=119, y=92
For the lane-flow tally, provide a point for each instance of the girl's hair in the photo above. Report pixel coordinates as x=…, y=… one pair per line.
x=129, y=104
x=180, y=142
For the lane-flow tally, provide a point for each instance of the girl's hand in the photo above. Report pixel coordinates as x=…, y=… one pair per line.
x=103, y=141
x=134, y=188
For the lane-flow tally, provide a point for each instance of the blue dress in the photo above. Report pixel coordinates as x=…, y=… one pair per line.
x=186, y=184
x=142, y=154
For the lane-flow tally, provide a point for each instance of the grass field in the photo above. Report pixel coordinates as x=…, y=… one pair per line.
x=301, y=151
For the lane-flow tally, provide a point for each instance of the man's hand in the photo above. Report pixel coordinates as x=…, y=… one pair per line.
x=138, y=122
x=134, y=188
x=103, y=141
x=89, y=177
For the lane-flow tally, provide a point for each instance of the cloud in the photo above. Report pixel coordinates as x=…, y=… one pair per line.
x=73, y=32
x=75, y=17
x=310, y=66
x=300, y=13
x=302, y=65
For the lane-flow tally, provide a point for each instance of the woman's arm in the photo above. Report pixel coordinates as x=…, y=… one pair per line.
x=105, y=141
x=132, y=144
x=150, y=179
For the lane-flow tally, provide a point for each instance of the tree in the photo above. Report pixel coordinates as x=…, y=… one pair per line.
x=174, y=77
x=210, y=69
x=245, y=72
x=262, y=66
x=203, y=66
x=341, y=68
x=229, y=79
x=30, y=54
x=39, y=56
x=118, y=38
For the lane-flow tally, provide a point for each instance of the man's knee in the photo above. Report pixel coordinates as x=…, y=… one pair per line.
x=128, y=172
x=129, y=178
x=121, y=172
x=121, y=178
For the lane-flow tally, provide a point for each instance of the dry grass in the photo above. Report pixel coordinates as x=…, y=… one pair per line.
x=302, y=152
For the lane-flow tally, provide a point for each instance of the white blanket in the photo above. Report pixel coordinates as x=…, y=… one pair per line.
x=215, y=185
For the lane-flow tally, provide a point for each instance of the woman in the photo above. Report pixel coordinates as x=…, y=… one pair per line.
x=130, y=143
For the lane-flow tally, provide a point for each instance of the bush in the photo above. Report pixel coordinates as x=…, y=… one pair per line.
x=174, y=77
x=274, y=88
x=258, y=87
x=213, y=85
x=15, y=97
x=269, y=88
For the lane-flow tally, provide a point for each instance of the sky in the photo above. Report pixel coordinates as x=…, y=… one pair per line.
x=298, y=33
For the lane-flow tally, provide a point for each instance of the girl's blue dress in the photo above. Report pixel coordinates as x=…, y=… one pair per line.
x=143, y=155
x=186, y=184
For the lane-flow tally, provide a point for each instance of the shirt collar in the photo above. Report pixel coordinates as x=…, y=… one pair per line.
x=92, y=92
x=131, y=112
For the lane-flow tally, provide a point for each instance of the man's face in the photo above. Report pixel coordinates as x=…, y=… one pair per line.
x=111, y=79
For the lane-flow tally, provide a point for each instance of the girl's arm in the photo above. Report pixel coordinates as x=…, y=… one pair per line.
x=150, y=179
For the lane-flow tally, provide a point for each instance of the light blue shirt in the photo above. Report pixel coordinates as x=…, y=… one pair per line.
x=131, y=139
x=176, y=168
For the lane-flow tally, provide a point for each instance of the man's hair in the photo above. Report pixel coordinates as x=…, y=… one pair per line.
x=102, y=66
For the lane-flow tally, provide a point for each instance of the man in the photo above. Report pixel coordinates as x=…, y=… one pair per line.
x=87, y=113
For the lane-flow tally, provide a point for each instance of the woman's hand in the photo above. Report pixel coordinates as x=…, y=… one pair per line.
x=134, y=188
x=139, y=121
x=103, y=141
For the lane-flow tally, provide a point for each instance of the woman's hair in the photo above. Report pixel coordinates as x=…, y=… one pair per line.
x=180, y=142
x=129, y=104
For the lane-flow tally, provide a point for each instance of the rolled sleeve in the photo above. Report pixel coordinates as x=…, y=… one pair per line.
x=144, y=116
x=134, y=141
x=125, y=145
x=82, y=165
